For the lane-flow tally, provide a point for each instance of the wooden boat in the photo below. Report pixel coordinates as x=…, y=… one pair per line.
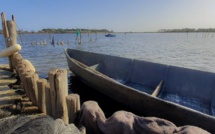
x=110, y=35
x=152, y=89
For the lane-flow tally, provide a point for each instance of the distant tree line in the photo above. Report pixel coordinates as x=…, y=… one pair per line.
x=187, y=30
x=60, y=30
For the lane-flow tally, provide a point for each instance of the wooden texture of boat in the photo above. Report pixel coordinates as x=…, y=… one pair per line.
x=183, y=96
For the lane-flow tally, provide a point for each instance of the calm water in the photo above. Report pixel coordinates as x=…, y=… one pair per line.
x=195, y=50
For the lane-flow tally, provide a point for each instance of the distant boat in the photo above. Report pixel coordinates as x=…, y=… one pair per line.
x=110, y=35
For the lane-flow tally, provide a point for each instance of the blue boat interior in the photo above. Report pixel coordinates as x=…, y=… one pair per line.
x=191, y=88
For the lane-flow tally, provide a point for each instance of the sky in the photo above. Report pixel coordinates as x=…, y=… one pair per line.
x=116, y=15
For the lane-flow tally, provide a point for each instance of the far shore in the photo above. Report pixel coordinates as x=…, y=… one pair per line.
x=106, y=32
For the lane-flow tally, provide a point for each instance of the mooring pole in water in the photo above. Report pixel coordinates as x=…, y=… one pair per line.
x=78, y=36
x=96, y=35
x=68, y=42
x=208, y=34
x=187, y=32
x=50, y=38
x=52, y=41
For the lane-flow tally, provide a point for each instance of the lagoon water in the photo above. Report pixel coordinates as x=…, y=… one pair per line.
x=192, y=50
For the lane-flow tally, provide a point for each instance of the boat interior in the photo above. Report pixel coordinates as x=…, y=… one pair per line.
x=191, y=88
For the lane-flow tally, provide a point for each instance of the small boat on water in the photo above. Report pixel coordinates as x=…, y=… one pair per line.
x=110, y=35
x=183, y=96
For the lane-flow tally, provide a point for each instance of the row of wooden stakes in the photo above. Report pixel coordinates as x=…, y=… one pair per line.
x=51, y=97
x=52, y=43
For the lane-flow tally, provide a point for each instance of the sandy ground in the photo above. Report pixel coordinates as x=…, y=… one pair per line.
x=13, y=101
x=18, y=115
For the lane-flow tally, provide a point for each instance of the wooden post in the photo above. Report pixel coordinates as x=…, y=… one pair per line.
x=73, y=105
x=13, y=37
x=6, y=36
x=4, y=28
x=21, y=69
x=59, y=91
x=12, y=32
x=26, y=64
x=22, y=78
x=61, y=80
x=17, y=58
x=52, y=91
x=28, y=87
x=13, y=18
x=24, y=82
x=41, y=83
x=20, y=65
x=32, y=86
x=61, y=86
x=48, y=99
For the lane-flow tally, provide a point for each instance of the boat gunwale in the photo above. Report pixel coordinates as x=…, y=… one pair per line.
x=202, y=116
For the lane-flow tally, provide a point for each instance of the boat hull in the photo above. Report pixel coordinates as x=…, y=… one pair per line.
x=110, y=35
x=140, y=102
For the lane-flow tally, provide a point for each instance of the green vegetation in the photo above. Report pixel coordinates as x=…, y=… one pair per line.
x=60, y=30
x=187, y=30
